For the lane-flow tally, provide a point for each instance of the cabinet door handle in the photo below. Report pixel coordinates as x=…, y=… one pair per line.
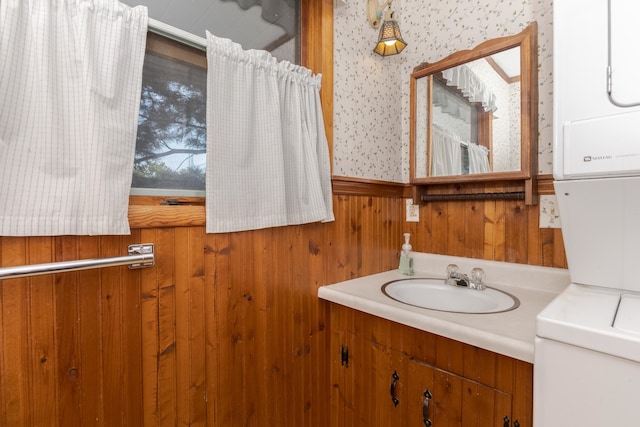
x=506, y=422
x=395, y=377
x=425, y=408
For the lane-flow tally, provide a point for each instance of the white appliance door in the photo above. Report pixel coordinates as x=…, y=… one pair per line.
x=596, y=134
x=579, y=387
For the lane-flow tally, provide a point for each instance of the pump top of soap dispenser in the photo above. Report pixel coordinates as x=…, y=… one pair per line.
x=406, y=248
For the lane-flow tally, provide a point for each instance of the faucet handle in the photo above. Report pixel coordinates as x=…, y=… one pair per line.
x=477, y=277
x=451, y=268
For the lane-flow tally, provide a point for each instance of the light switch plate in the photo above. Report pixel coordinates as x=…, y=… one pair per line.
x=413, y=211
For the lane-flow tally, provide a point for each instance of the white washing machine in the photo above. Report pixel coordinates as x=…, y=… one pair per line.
x=587, y=359
x=587, y=352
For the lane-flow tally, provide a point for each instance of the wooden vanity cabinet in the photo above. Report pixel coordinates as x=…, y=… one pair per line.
x=375, y=360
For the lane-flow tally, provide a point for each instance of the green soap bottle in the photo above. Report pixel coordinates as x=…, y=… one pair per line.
x=406, y=262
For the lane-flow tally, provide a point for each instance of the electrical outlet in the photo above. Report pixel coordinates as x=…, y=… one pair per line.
x=413, y=211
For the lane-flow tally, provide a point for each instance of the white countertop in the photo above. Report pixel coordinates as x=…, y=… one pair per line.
x=510, y=333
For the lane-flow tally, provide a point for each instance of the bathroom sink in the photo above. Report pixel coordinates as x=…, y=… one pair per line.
x=434, y=294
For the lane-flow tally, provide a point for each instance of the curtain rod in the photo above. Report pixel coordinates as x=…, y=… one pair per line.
x=140, y=256
x=175, y=33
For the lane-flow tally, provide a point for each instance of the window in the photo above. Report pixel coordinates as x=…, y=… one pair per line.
x=170, y=148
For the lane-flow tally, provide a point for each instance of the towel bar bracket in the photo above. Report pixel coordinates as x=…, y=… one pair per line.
x=142, y=249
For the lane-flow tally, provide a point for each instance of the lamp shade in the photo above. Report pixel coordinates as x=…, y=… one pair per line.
x=389, y=40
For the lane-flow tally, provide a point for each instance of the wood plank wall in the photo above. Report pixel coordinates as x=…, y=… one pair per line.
x=226, y=330
x=499, y=230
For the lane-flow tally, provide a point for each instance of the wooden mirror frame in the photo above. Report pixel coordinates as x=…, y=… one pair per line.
x=527, y=41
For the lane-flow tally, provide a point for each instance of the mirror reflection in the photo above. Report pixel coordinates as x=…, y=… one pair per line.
x=475, y=113
x=467, y=112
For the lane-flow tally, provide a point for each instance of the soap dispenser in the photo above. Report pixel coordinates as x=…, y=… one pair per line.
x=406, y=262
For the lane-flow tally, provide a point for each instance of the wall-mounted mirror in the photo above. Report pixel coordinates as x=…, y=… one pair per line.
x=474, y=113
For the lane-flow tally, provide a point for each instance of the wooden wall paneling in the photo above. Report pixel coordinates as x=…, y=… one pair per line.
x=69, y=366
x=368, y=236
x=197, y=328
x=389, y=236
x=395, y=221
x=132, y=334
x=474, y=221
x=316, y=317
x=90, y=335
x=490, y=231
x=516, y=228
x=338, y=256
x=149, y=309
x=216, y=259
x=456, y=241
x=182, y=319
x=291, y=282
x=440, y=228
x=182, y=325
x=244, y=353
x=290, y=285
x=357, y=205
x=272, y=304
x=300, y=287
x=166, y=357
x=277, y=329
x=43, y=360
x=18, y=407
x=226, y=329
x=495, y=215
x=189, y=325
x=112, y=334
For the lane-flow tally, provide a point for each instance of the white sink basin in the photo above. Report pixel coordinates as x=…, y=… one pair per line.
x=434, y=294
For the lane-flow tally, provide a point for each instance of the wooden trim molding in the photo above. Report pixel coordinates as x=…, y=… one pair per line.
x=343, y=185
x=545, y=184
x=152, y=212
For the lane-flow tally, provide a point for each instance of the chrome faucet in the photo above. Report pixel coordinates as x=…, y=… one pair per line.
x=460, y=279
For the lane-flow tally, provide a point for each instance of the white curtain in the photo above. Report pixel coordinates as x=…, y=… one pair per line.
x=70, y=80
x=446, y=156
x=267, y=152
x=478, y=159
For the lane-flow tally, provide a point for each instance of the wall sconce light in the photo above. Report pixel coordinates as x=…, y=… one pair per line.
x=389, y=40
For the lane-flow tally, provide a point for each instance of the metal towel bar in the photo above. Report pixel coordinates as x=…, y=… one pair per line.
x=140, y=256
x=519, y=195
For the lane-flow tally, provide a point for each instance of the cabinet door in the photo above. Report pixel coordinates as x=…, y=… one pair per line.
x=371, y=391
x=367, y=394
x=461, y=402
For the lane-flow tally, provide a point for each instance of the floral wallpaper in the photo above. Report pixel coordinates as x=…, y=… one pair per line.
x=371, y=93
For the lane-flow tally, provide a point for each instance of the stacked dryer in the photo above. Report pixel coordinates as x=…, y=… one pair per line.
x=587, y=360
